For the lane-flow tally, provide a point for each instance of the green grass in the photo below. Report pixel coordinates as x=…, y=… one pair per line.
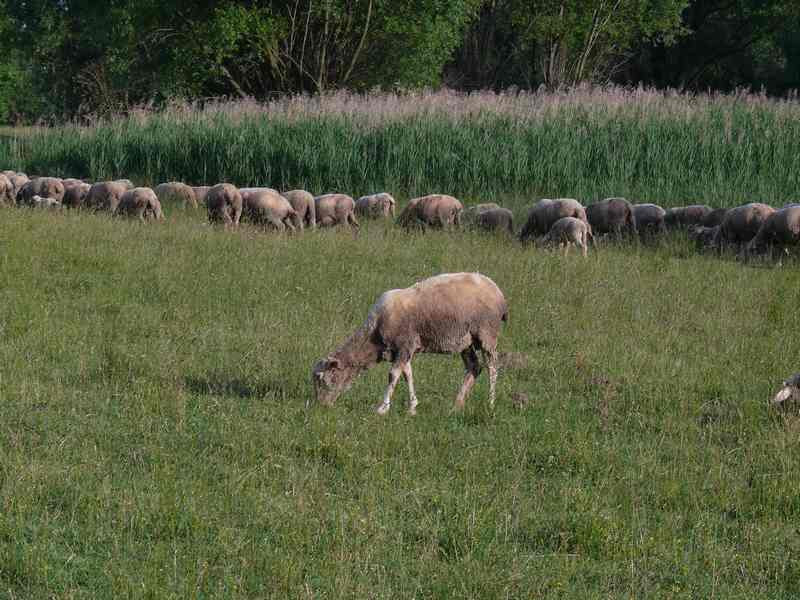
x=643, y=145
x=154, y=441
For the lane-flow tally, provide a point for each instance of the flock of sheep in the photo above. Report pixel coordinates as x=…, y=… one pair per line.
x=450, y=313
x=753, y=228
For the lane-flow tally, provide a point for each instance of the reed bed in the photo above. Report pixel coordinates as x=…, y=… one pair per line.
x=588, y=143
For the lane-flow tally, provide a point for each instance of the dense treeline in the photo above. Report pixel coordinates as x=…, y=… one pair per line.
x=66, y=58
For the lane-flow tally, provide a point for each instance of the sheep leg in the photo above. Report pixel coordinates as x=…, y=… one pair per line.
x=412, y=396
x=386, y=404
x=490, y=356
x=473, y=369
x=277, y=224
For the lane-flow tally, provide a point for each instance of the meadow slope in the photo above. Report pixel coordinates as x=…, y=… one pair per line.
x=154, y=441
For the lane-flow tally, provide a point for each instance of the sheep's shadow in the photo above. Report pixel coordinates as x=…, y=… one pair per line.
x=221, y=386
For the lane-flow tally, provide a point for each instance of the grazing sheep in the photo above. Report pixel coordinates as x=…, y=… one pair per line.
x=714, y=218
x=546, y=212
x=376, y=206
x=141, y=203
x=224, y=203
x=495, y=219
x=682, y=217
x=705, y=238
x=17, y=180
x=8, y=196
x=303, y=204
x=781, y=228
x=267, y=207
x=45, y=203
x=790, y=391
x=471, y=212
x=176, y=192
x=45, y=187
x=649, y=220
x=741, y=224
x=75, y=195
x=200, y=192
x=335, y=209
x=613, y=216
x=435, y=210
x=569, y=231
x=446, y=314
x=105, y=195
x=125, y=182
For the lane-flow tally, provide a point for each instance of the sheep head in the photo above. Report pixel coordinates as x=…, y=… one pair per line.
x=331, y=378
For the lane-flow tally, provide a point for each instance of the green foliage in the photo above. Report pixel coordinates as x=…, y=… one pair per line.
x=580, y=40
x=153, y=440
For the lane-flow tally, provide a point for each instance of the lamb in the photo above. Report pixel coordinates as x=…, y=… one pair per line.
x=303, y=204
x=612, y=216
x=45, y=187
x=567, y=232
x=790, y=391
x=434, y=210
x=46, y=203
x=376, y=206
x=224, y=203
x=705, y=238
x=546, y=212
x=446, y=314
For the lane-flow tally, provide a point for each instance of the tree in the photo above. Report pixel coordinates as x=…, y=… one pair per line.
x=590, y=40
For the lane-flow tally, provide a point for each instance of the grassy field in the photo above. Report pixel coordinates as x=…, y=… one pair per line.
x=154, y=441
x=153, y=436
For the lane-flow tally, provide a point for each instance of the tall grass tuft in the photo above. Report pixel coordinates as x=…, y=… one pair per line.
x=589, y=143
